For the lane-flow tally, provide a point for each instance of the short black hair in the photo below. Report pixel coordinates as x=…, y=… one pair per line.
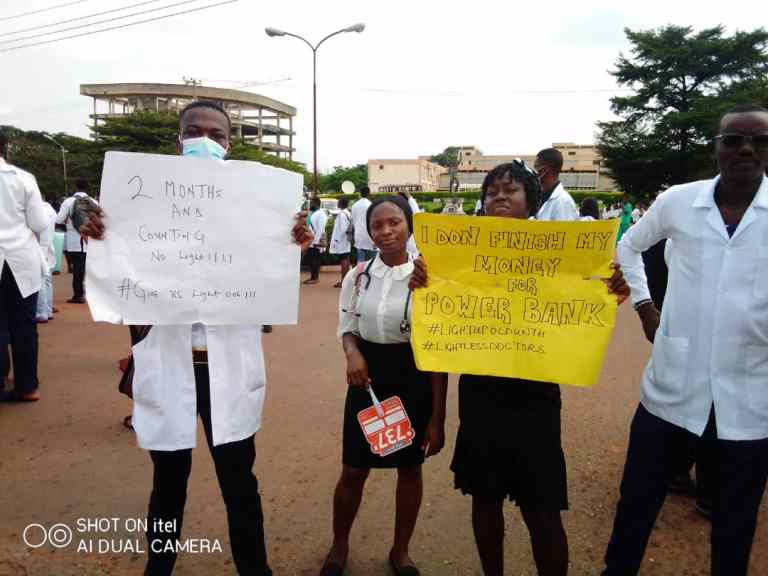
x=314, y=202
x=551, y=158
x=343, y=202
x=516, y=170
x=741, y=109
x=589, y=207
x=210, y=104
x=365, y=191
x=81, y=185
x=398, y=201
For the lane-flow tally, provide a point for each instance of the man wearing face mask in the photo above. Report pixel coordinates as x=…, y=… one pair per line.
x=556, y=203
x=216, y=372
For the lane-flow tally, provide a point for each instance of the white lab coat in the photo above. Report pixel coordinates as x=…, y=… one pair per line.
x=559, y=206
x=362, y=239
x=712, y=343
x=164, y=396
x=411, y=246
x=317, y=222
x=22, y=215
x=340, y=244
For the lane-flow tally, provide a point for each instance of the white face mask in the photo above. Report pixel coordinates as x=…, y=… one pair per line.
x=203, y=147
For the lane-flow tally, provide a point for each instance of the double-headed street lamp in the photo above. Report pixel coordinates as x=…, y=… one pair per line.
x=63, y=161
x=275, y=32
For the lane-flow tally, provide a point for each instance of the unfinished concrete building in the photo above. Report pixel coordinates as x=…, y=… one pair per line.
x=260, y=121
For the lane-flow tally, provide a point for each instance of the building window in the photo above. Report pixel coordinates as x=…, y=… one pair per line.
x=595, y=162
x=571, y=153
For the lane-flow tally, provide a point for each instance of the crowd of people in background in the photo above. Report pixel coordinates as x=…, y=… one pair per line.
x=695, y=272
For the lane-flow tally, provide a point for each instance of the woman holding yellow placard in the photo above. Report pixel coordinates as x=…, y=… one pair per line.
x=508, y=444
x=407, y=425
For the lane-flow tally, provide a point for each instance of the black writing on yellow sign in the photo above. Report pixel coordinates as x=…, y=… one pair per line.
x=469, y=307
x=527, y=285
x=170, y=235
x=191, y=191
x=521, y=266
x=430, y=346
x=538, y=241
x=572, y=312
x=593, y=240
x=466, y=236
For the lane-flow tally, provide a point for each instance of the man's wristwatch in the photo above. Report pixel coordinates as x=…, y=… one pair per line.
x=642, y=303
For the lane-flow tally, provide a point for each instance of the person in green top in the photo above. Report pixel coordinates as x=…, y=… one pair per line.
x=626, y=218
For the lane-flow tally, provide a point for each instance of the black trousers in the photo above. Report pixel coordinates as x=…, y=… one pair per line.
x=239, y=487
x=314, y=259
x=78, y=274
x=18, y=327
x=738, y=479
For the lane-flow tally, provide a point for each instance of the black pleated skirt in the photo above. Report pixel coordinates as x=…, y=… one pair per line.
x=393, y=372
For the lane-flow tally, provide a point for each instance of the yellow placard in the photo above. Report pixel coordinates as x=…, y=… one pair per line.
x=515, y=298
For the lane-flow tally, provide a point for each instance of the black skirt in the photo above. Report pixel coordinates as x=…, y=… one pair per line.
x=393, y=372
x=508, y=443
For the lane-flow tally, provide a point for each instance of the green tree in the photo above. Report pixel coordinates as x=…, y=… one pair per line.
x=331, y=182
x=682, y=81
x=447, y=158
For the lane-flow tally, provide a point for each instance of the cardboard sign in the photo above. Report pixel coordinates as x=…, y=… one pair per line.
x=386, y=426
x=195, y=240
x=514, y=298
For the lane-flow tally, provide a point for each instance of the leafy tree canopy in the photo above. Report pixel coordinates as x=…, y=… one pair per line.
x=682, y=81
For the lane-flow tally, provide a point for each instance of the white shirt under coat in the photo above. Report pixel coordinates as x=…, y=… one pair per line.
x=559, y=206
x=359, y=211
x=375, y=312
x=712, y=342
x=72, y=242
x=46, y=238
x=164, y=392
x=22, y=215
x=340, y=244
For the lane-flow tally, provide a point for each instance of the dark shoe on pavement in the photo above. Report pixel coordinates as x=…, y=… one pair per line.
x=76, y=300
x=331, y=568
x=267, y=328
x=14, y=396
x=403, y=570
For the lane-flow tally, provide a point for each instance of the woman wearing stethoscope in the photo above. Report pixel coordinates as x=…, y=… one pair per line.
x=374, y=325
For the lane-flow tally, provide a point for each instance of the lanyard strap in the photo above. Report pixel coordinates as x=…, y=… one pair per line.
x=376, y=403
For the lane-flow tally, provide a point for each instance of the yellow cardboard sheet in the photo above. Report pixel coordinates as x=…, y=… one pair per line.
x=515, y=298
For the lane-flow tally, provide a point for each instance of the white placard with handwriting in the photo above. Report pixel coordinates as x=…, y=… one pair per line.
x=194, y=240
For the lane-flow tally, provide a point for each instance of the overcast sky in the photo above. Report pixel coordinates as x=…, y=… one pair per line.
x=508, y=77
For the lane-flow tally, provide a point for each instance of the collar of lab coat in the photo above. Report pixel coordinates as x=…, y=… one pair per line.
x=706, y=196
x=706, y=199
x=401, y=272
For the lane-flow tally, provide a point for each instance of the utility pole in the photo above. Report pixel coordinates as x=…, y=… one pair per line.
x=194, y=82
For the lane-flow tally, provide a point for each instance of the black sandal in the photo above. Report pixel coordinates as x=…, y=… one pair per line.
x=404, y=570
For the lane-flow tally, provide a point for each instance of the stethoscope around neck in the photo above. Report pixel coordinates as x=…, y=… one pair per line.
x=365, y=276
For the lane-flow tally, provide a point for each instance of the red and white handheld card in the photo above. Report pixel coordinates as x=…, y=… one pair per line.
x=386, y=425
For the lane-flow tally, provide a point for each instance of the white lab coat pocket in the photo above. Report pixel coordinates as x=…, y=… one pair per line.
x=669, y=361
x=760, y=286
x=146, y=388
x=757, y=378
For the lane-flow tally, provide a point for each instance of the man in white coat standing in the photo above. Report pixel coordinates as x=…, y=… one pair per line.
x=708, y=372
x=216, y=372
x=22, y=215
x=74, y=244
x=556, y=203
x=363, y=243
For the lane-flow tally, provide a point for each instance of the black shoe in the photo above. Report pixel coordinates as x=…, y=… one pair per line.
x=267, y=328
x=78, y=300
x=683, y=484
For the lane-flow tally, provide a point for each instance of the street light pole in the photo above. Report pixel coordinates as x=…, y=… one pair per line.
x=275, y=32
x=63, y=161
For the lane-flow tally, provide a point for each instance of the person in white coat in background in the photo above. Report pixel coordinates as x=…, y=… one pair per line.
x=363, y=244
x=45, y=296
x=214, y=371
x=22, y=215
x=556, y=203
x=75, y=245
x=341, y=246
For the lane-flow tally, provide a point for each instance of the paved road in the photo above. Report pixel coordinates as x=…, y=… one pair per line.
x=68, y=457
